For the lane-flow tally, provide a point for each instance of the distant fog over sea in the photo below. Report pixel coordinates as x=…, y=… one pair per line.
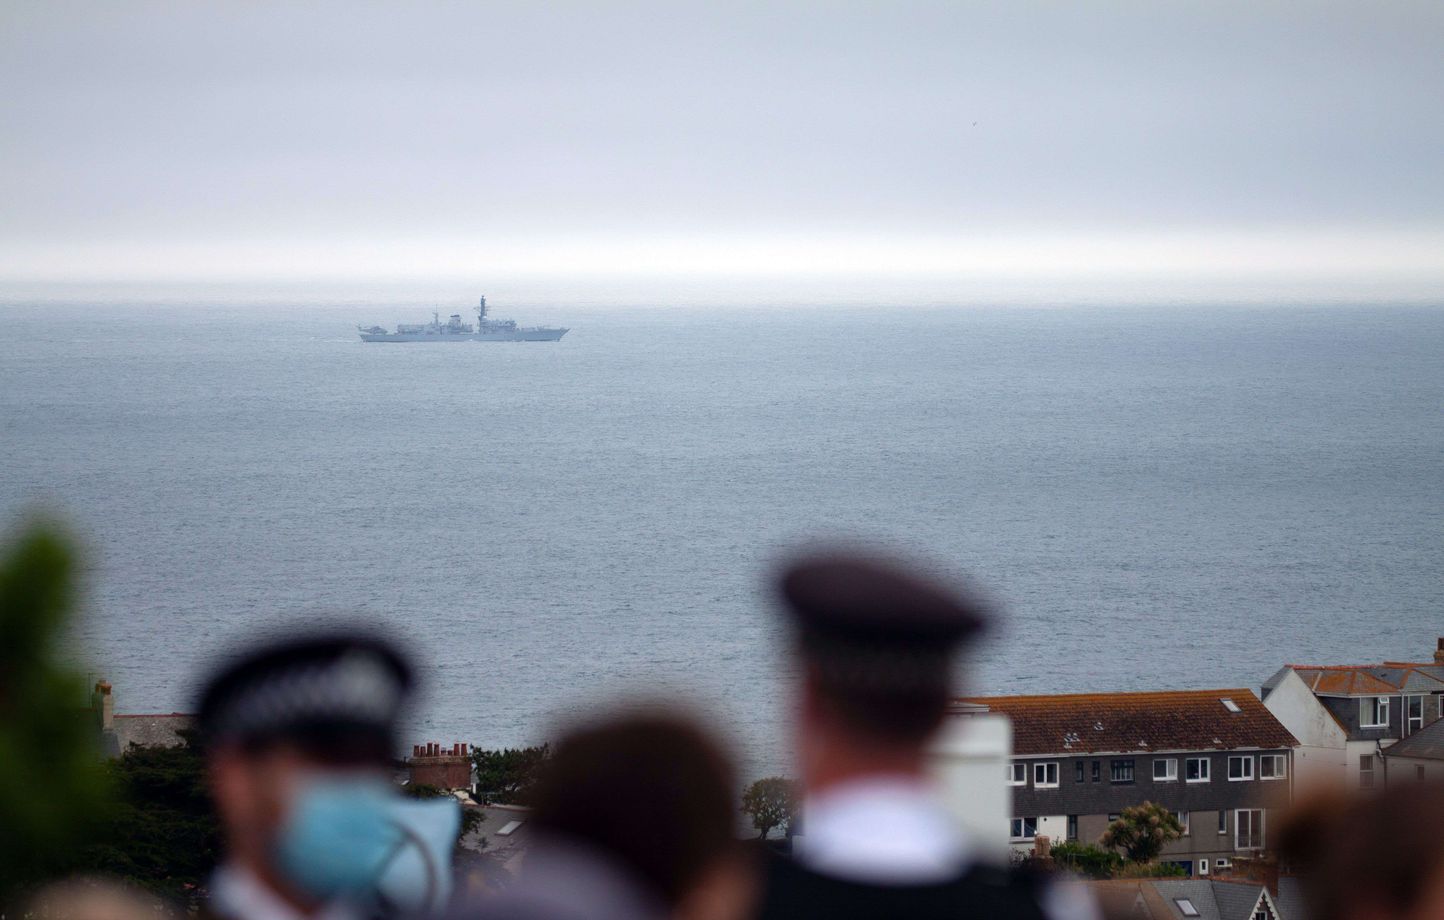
x=1166, y=493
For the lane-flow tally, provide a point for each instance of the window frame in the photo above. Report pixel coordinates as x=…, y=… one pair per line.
x=1380, y=706
x=1022, y=825
x=1279, y=760
x=1182, y=817
x=1206, y=776
x=1413, y=723
x=1223, y=822
x=1244, y=759
x=1013, y=768
x=1116, y=767
x=1071, y=832
x=1079, y=772
x=1045, y=766
x=1255, y=834
x=1366, y=759
x=1097, y=774
x=1170, y=769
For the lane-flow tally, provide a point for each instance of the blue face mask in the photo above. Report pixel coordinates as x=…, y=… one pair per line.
x=355, y=837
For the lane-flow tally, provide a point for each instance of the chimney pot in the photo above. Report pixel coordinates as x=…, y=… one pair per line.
x=1439, y=652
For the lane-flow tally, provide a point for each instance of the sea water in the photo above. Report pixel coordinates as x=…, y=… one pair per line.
x=1154, y=495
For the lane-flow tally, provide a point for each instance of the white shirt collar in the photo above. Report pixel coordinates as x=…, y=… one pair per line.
x=238, y=894
x=883, y=830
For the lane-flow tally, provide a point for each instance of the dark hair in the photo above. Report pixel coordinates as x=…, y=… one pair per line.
x=652, y=791
x=1380, y=850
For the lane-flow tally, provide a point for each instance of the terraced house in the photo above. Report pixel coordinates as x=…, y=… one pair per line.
x=1347, y=716
x=1216, y=758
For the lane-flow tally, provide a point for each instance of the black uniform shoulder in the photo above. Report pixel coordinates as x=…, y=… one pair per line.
x=794, y=892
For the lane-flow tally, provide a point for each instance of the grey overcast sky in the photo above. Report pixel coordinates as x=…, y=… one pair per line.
x=196, y=140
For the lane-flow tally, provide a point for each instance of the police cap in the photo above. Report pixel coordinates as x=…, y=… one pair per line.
x=335, y=693
x=872, y=626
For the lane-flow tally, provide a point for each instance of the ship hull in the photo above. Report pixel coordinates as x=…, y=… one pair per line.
x=519, y=335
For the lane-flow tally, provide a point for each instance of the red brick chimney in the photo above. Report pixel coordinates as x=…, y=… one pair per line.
x=1439, y=652
x=431, y=765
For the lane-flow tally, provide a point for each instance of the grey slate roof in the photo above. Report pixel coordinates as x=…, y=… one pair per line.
x=146, y=731
x=1214, y=899
x=1198, y=891
x=1427, y=743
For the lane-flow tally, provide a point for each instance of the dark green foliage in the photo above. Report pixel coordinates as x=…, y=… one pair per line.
x=162, y=833
x=508, y=775
x=51, y=783
x=770, y=803
x=1141, y=831
x=1086, y=859
x=1152, y=870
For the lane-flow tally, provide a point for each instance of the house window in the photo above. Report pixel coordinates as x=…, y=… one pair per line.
x=1222, y=821
x=1023, y=828
x=1017, y=774
x=1414, y=714
x=1097, y=772
x=1366, y=771
x=1186, y=907
x=1114, y=817
x=1374, y=712
x=1165, y=771
x=1120, y=771
x=1077, y=771
x=1240, y=768
x=1272, y=766
x=1072, y=827
x=1182, y=817
x=1248, y=827
x=1045, y=775
x=1195, y=770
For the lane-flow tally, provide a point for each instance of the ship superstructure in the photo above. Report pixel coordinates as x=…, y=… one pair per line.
x=454, y=330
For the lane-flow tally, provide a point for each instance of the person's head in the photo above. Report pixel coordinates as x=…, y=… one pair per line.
x=652, y=794
x=290, y=730
x=876, y=644
x=1370, y=857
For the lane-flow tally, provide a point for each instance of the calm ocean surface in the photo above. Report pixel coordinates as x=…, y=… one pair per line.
x=1161, y=497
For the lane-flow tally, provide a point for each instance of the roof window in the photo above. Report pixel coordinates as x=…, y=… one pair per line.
x=1230, y=705
x=1185, y=907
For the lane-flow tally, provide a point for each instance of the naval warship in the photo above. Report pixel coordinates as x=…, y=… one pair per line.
x=454, y=330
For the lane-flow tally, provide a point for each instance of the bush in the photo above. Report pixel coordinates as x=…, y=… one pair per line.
x=1086, y=859
x=1152, y=870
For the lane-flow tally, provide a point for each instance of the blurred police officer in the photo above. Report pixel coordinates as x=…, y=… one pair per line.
x=876, y=645
x=299, y=738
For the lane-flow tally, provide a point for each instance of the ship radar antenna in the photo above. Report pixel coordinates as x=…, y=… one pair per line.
x=481, y=308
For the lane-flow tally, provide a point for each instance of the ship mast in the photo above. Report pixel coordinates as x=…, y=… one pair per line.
x=481, y=310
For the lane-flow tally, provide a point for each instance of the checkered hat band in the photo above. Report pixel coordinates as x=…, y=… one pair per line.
x=358, y=688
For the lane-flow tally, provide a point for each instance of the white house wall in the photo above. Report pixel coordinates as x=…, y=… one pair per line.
x=1320, y=760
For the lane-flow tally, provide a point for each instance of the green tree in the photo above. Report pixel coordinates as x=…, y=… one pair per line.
x=770, y=803
x=508, y=775
x=1141, y=831
x=1086, y=859
x=51, y=779
x=162, y=832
